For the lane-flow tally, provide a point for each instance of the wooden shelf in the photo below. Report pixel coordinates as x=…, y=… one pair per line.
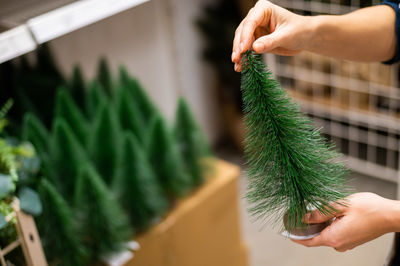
x=15, y=42
x=202, y=229
x=26, y=23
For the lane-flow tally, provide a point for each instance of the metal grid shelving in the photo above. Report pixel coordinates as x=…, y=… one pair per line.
x=356, y=104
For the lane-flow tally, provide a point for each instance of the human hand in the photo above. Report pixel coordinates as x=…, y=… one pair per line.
x=268, y=28
x=365, y=217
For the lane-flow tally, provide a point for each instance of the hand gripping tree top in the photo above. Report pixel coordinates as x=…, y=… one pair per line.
x=291, y=166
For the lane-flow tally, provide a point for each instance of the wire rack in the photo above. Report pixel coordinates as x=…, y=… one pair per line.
x=356, y=104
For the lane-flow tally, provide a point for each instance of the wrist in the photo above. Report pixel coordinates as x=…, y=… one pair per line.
x=314, y=29
x=392, y=216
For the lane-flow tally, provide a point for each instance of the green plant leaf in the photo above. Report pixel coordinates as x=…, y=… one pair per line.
x=30, y=201
x=6, y=185
x=3, y=221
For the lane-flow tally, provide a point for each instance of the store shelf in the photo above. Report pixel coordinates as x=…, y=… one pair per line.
x=15, y=42
x=327, y=106
x=26, y=23
x=337, y=81
x=74, y=16
x=371, y=169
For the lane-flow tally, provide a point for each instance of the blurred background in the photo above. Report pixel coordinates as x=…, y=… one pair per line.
x=176, y=49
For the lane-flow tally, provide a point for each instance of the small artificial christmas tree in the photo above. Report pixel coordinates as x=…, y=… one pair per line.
x=40, y=85
x=77, y=87
x=30, y=86
x=67, y=109
x=103, y=225
x=34, y=131
x=166, y=160
x=58, y=229
x=192, y=143
x=104, y=76
x=46, y=64
x=138, y=96
x=129, y=115
x=66, y=155
x=124, y=77
x=291, y=167
x=137, y=186
x=104, y=145
x=95, y=99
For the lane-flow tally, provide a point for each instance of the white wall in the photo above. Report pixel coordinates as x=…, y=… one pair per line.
x=160, y=45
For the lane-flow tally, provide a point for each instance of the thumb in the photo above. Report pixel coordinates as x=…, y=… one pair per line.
x=268, y=42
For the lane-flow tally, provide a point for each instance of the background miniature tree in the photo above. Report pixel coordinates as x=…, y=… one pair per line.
x=46, y=64
x=166, y=160
x=66, y=156
x=30, y=85
x=34, y=131
x=95, y=99
x=137, y=186
x=192, y=143
x=129, y=115
x=58, y=229
x=104, y=76
x=103, y=224
x=77, y=87
x=139, y=97
x=40, y=85
x=104, y=144
x=290, y=165
x=67, y=109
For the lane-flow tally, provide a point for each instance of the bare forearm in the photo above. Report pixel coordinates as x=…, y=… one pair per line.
x=364, y=35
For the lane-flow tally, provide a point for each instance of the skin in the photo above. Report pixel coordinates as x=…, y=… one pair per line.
x=366, y=217
x=366, y=35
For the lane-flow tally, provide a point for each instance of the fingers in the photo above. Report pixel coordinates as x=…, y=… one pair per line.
x=244, y=35
x=316, y=217
x=236, y=42
x=335, y=209
x=316, y=241
x=256, y=17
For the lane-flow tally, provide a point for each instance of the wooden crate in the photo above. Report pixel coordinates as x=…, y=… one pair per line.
x=202, y=230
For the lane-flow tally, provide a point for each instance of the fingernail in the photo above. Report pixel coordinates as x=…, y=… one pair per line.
x=233, y=56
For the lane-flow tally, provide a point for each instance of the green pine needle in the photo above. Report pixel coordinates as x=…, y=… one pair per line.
x=291, y=167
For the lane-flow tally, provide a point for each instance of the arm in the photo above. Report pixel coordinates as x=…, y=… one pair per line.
x=366, y=35
x=366, y=217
